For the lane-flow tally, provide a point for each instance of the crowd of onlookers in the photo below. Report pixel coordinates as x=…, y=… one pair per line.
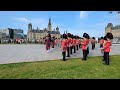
x=12, y=41
x=25, y=41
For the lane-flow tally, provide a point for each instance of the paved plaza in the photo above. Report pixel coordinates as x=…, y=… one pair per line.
x=14, y=53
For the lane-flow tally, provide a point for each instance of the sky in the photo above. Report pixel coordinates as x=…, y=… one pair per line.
x=75, y=22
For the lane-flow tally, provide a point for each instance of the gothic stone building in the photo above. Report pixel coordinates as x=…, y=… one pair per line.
x=114, y=30
x=38, y=34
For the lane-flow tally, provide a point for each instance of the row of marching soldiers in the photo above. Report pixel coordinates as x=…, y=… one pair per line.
x=71, y=42
x=105, y=46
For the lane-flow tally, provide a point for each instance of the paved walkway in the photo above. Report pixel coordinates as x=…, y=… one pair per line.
x=13, y=53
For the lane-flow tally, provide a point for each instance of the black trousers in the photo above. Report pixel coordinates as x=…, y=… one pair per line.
x=101, y=45
x=68, y=52
x=106, y=57
x=77, y=47
x=74, y=49
x=93, y=46
x=87, y=50
x=84, y=54
x=71, y=50
x=64, y=55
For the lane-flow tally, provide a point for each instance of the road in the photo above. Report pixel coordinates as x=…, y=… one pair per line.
x=14, y=53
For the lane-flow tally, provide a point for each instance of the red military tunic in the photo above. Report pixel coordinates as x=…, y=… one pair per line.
x=93, y=41
x=101, y=41
x=77, y=41
x=106, y=46
x=68, y=42
x=64, y=45
x=84, y=44
x=74, y=42
x=87, y=40
x=71, y=42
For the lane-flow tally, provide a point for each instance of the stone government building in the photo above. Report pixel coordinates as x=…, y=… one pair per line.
x=10, y=34
x=37, y=34
x=115, y=30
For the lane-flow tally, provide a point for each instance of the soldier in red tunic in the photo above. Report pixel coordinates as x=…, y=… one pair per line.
x=64, y=46
x=68, y=44
x=102, y=51
x=53, y=42
x=47, y=42
x=74, y=43
x=71, y=44
x=107, y=47
x=81, y=39
x=101, y=44
x=77, y=42
x=87, y=39
x=93, y=43
x=84, y=45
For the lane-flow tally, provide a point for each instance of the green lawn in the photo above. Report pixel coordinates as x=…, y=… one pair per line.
x=93, y=68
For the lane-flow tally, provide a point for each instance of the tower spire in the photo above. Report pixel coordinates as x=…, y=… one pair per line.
x=49, y=21
x=49, y=25
x=66, y=31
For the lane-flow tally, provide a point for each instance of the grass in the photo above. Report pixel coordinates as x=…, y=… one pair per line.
x=93, y=68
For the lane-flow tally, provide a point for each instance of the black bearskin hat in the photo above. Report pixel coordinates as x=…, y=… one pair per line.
x=105, y=38
x=88, y=37
x=93, y=37
x=102, y=38
x=69, y=35
x=72, y=36
x=64, y=36
x=85, y=35
x=78, y=37
x=109, y=35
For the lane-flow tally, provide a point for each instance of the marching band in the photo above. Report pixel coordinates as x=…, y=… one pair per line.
x=70, y=44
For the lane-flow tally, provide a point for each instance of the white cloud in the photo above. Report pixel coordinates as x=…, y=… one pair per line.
x=22, y=19
x=41, y=23
x=83, y=14
x=22, y=23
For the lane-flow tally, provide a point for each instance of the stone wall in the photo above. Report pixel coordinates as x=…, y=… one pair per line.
x=116, y=32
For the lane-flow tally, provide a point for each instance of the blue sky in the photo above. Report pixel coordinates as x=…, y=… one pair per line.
x=76, y=22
